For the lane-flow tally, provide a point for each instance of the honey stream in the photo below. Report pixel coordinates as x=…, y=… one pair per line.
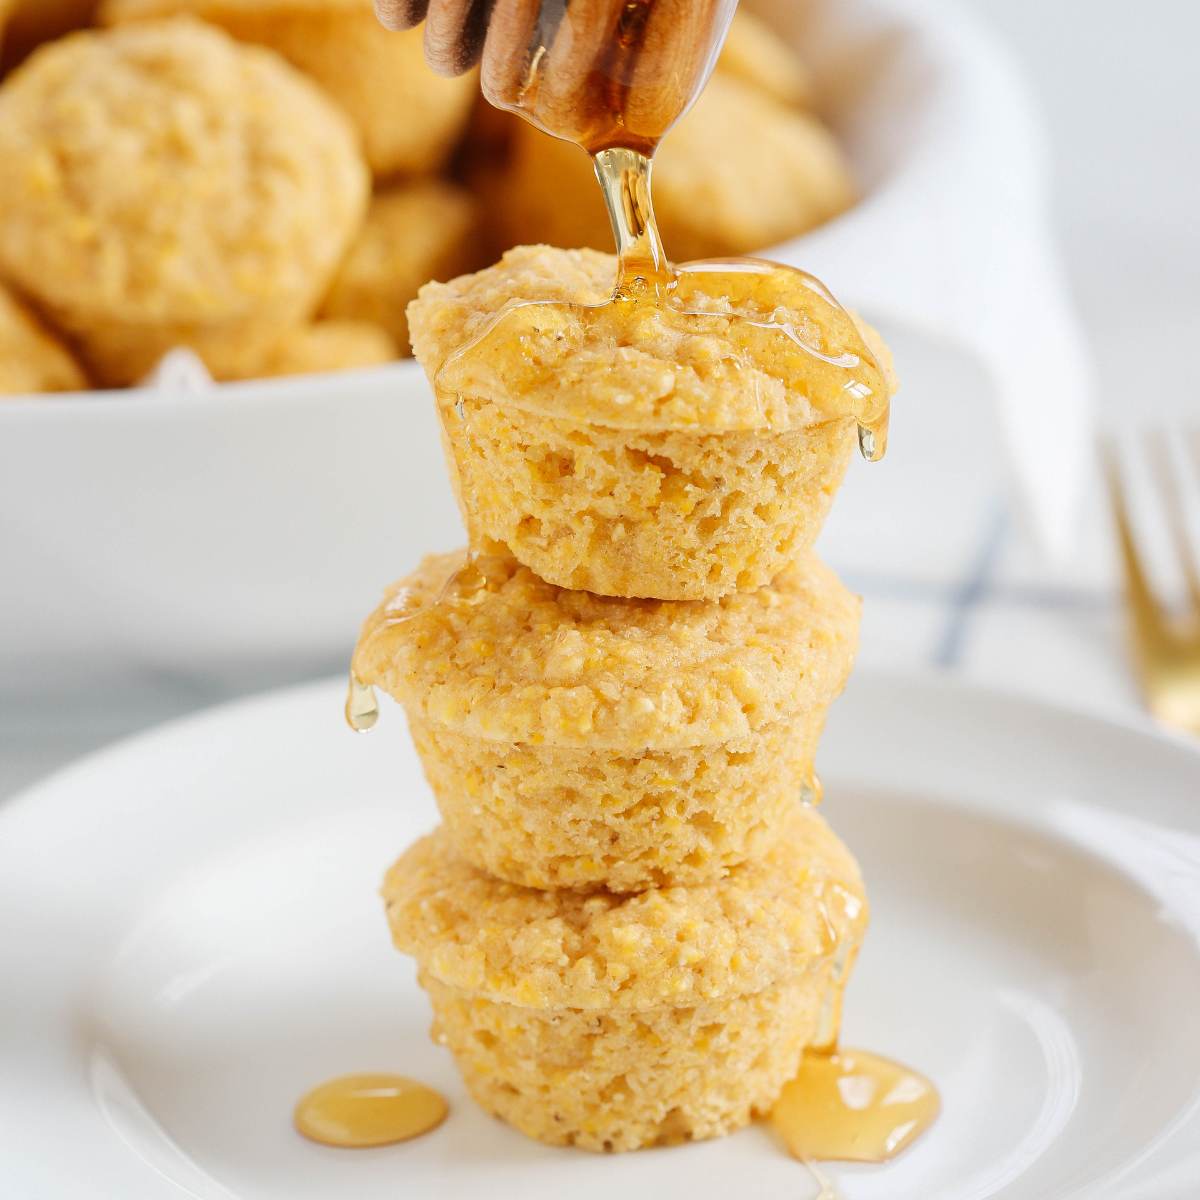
x=613, y=99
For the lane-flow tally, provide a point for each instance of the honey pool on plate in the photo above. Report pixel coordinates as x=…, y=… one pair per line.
x=360, y=1111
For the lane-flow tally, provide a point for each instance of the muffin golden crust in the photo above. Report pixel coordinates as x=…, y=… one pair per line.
x=574, y=741
x=32, y=359
x=713, y=368
x=326, y=346
x=408, y=118
x=494, y=651
x=166, y=186
x=771, y=919
x=413, y=233
x=613, y=1022
x=633, y=449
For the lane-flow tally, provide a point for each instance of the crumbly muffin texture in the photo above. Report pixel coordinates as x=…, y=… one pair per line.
x=489, y=649
x=621, y=1080
x=32, y=359
x=164, y=185
x=408, y=118
x=413, y=233
x=628, y=513
x=676, y=947
x=568, y=817
x=645, y=366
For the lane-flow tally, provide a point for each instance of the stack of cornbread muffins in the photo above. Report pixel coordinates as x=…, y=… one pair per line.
x=633, y=921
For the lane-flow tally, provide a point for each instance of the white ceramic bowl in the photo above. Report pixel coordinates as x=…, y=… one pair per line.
x=255, y=523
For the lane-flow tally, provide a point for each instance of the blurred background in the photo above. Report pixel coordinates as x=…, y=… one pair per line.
x=168, y=542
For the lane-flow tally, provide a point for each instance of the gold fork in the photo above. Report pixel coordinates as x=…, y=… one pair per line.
x=1166, y=645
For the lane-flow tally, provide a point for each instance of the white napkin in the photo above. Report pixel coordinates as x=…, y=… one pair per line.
x=953, y=237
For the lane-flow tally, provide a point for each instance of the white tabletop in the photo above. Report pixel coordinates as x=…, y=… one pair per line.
x=929, y=537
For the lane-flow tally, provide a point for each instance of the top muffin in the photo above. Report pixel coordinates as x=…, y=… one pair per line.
x=677, y=450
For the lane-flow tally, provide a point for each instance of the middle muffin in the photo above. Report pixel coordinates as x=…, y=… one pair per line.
x=581, y=741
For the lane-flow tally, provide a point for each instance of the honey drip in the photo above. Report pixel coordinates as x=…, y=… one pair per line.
x=849, y=1105
x=357, y=1111
x=853, y=1106
x=362, y=706
x=812, y=790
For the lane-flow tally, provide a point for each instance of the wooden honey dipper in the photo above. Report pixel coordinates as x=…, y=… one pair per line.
x=602, y=73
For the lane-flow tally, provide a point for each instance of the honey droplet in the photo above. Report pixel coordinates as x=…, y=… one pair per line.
x=872, y=440
x=853, y=1106
x=362, y=706
x=812, y=790
x=357, y=1111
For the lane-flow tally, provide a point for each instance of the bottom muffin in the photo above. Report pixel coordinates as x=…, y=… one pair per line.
x=621, y=1080
x=613, y=1022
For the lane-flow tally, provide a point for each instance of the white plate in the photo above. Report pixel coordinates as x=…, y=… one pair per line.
x=190, y=937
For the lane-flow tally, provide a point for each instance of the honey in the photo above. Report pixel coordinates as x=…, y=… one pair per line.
x=853, y=1106
x=362, y=706
x=358, y=1111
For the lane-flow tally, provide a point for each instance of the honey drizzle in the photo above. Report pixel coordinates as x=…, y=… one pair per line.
x=360, y=1111
x=625, y=178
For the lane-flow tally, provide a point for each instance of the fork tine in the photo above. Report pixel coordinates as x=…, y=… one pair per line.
x=1148, y=623
x=1160, y=452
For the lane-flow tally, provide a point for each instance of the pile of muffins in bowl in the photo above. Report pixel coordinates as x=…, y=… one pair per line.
x=268, y=182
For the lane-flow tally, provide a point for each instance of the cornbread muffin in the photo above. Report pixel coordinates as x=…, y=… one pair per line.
x=632, y=449
x=164, y=186
x=577, y=741
x=326, y=346
x=413, y=233
x=760, y=190
x=31, y=358
x=613, y=1022
x=409, y=119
